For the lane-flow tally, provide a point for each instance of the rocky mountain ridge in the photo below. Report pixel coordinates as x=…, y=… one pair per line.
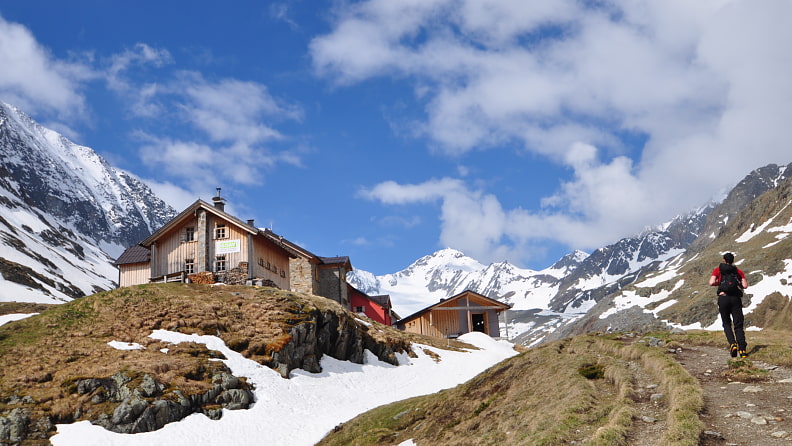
x=65, y=213
x=544, y=301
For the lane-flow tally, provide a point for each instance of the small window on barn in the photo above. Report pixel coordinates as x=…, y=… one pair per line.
x=189, y=266
x=189, y=234
x=283, y=273
x=220, y=231
x=360, y=309
x=220, y=263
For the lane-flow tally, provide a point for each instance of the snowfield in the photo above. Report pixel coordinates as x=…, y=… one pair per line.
x=303, y=409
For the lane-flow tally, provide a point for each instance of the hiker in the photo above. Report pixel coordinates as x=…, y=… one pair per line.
x=730, y=281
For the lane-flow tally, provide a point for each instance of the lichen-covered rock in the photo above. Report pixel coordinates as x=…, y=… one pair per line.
x=13, y=426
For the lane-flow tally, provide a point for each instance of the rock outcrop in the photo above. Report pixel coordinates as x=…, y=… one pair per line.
x=145, y=408
x=328, y=333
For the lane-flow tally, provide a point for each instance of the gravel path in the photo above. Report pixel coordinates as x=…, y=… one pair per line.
x=740, y=413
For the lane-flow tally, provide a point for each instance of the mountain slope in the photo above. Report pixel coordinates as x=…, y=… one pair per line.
x=133, y=360
x=65, y=214
x=552, y=299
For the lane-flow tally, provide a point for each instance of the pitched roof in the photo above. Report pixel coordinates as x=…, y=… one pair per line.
x=491, y=303
x=134, y=254
x=382, y=300
x=191, y=210
x=278, y=240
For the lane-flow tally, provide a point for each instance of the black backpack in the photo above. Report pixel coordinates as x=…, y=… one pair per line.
x=730, y=282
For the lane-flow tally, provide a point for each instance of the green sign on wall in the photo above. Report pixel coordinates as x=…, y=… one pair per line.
x=227, y=246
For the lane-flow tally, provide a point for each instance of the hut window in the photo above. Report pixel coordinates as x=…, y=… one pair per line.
x=189, y=266
x=220, y=231
x=189, y=234
x=220, y=263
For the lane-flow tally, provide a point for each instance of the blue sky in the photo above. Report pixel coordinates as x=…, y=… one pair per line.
x=385, y=130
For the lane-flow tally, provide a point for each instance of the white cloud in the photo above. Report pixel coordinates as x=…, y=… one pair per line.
x=470, y=220
x=172, y=194
x=140, y=55
x=233, y=142
x=702, y=83
x=477, y=224
x=121, y=76
x=35, y=81
x=232, y=110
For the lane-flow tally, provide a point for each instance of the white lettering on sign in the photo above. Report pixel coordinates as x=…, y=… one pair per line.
x=227, y=246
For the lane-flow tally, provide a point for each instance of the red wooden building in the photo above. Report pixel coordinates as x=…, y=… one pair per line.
x=377, y=308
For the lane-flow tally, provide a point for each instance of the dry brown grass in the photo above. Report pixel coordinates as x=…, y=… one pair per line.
x=539, y=397
x=579, y=390
x=43, y=355
x=22, y=307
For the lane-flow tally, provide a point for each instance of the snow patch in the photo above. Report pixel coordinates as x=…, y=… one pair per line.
x=339, y=393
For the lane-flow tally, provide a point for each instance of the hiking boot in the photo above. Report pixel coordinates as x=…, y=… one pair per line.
x=733, y=350
x=743, y=354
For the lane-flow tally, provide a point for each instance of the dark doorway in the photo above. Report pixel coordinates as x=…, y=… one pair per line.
x=478, y=322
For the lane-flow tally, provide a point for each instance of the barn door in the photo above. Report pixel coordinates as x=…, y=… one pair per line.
x=479, y=322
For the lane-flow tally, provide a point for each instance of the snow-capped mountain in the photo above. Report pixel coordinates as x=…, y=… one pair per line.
x=571, y=285
x=65, y=213
x=677, y=294
x=547, y=300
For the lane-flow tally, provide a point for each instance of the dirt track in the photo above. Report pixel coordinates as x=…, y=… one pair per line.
x=742, y=413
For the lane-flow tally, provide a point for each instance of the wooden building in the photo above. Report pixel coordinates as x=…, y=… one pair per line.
x=377, y=308
x=204, y=243
x=467, y=311
x=205, y=239
x=135, y=269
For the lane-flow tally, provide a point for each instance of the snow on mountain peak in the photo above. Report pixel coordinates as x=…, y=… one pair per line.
x=68, y=213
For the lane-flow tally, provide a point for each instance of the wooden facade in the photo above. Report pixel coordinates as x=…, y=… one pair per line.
x=467, y=311
x=205, y=243
x=135, y=269
x=203, y=238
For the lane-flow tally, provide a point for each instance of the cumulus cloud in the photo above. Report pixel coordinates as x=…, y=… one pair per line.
x=34, y=80
x=470, y=219
x=476, y=222
x=698, y=83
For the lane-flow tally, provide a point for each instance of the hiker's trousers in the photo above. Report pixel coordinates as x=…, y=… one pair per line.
x=732, y=317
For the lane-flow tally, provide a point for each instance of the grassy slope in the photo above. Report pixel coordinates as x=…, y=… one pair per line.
x=578, y=389
x=41, y=356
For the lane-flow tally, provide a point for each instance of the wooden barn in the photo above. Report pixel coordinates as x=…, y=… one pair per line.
x=467, y=311
x=205, y=239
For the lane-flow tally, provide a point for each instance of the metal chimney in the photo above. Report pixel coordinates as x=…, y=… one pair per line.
x=219, y=202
